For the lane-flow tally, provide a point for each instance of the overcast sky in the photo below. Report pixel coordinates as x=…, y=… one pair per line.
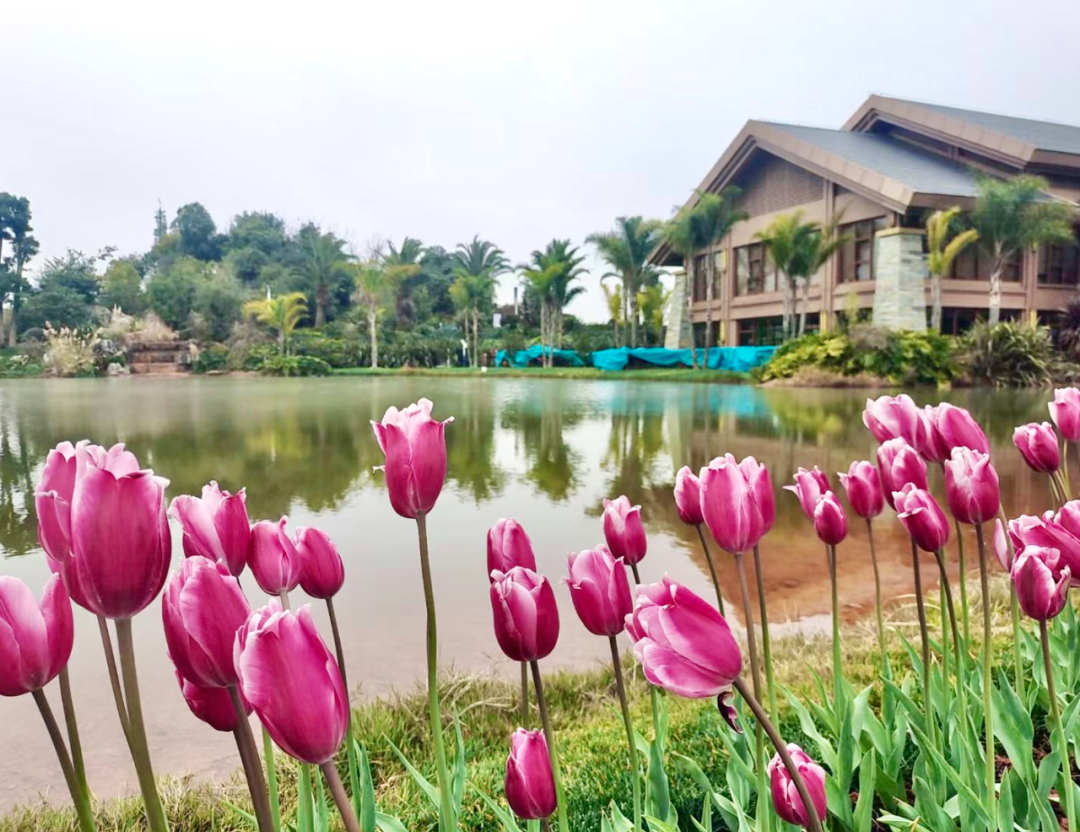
x=440, y=120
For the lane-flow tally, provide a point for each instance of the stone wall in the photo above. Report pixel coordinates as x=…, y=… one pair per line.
x=900, y=279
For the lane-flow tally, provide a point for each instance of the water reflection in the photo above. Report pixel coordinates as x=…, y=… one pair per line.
x=545, y=451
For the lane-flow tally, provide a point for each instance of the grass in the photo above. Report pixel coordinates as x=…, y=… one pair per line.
x=14, y=364
x=586, y=373
x=585, y=713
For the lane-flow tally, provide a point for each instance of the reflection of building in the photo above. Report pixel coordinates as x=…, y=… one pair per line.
x=890, y=164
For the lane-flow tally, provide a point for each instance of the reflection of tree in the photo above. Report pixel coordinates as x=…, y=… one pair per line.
x=18, y=521
x=470, y=448
x=540, y=418
x=635, y=441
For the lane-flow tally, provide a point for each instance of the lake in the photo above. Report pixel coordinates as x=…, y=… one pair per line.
x=543, y=451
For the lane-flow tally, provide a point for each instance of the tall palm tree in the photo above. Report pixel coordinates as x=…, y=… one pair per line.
x=626, y=249
x=282, y=314
x=941, y=253
x=324, y=261
x=477, y=266
x=613, y=298
x=652, y=300
x=376, y=281
x=549, y=275
x=1012, y=216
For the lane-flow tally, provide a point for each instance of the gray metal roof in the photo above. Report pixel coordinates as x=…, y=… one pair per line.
x=921, y=171
x=1043, y=135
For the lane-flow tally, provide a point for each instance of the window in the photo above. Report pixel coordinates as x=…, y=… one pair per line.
x=1059, y=265
x=974, y=264
x=761, y=332
x=857, y=252
x=754, y=273
x=701, y=264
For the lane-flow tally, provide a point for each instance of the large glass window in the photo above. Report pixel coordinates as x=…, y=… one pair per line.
x=1059, y=265
x=974, y=264
x=754, y=274
x=761, y=332
x=857, y=252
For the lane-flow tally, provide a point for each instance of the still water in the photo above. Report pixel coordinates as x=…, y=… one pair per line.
x=543, y=451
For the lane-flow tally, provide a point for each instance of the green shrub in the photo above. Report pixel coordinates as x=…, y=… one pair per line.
x=254, y=358
x=337, y=352
x=211, y=358
x=294, y=365
x=1009, y=354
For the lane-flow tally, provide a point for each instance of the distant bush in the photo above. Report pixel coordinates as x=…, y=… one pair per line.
x=69, y=352
x=212, y=358
x=1009, y=354
x=294, y=365
x=419, y=348
x=337, y=352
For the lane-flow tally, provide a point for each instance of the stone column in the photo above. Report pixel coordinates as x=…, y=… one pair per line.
x=677, y=334
x=900, y=279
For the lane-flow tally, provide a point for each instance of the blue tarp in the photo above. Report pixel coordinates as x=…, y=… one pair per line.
x=740, y=359
x=523, y=358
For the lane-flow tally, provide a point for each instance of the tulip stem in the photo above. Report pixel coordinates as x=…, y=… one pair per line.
x=755, y=672
x=988, y=702
x=921, y=609
x=341, y=798
x=78, y=796
x=962, y=565
x=1014, y=611
x=838, y=679
x=72, y=725
x=271, y=778
x=950, y=608
x=114, y=678
x=446, y=812
x=1055, y=711
x=140, y=751
x=545, y=825
x=766, y=650
x=553, y=749
x=813, y=821
x=337, y=646
x=628, y=722
x=283, y=596
x=524, y=704
x=712, y=568
x=877, y=598
x=637, y=576
x=249, y=756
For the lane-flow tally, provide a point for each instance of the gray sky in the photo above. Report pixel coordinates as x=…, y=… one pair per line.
x=517, y=121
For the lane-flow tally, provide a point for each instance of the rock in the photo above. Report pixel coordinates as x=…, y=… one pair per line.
x=118, y=370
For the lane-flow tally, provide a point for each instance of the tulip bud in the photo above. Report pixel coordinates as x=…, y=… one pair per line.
x=682, y=642
x=292, y=682
x=863, y=487
x=623, y=530
x=730, y=506
x=809, y=486
x=508, y=546
x=215, y=526
x=785, y=796
x=688, y=497
x=899, y=465
x=526, y=616
x=1041, y=581
x=762, y=488
x=213, y=706
x=1001, y=546
x=415, y=448
x=830, y=523
x=322, y=573
x=934, y=447
x=1038, y=445
x=35, y=638
x=1065, y=411
x=958, y=428
x=273, y=558
x=971, y=486
x=600, y=590
x=202, y=608
x=891, y=417
x=530, y=786
x=922, y=517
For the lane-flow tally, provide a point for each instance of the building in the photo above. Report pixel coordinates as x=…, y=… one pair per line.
x=892, y=163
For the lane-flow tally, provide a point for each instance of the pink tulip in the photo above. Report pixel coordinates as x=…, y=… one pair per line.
x=1065, y=411
x=202, y=608
x=530, y=786
x=934, y=447
x=863, y=486
x=1059, y=531
x=830, y=522
x=958, y=428
x=730, y=507
x=623, y=530
x=761, y=485
x=322, y=573
x=292, y=682
x=212, y=705
x=688, y=497
x=1001, y=546
x=683, y=643
x=415, y=449
x=273, y=558
x=600, y=590
x=102, y=523
x=899, y=465
x=1038, y=445
x=35, y=638
x=526, y=616
x=922, y=517
x=215, y=526
x=890, y=417
x=971, y=486
x=809, y=486
x=1041, y=581
x=508, y=546
x=785, y=796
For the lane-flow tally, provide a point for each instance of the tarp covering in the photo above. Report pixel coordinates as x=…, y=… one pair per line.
x=523, y=358
x=739, y=359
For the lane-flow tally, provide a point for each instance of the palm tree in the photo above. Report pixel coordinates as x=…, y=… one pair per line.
x=539, y=280
x=548, y=276
x=1012, y=216
x=324, y=261
x=652, y=300
x=477, y=266
x=941, y=253
x=626, y=249
x=376, y=282
x=798, y=250
x=282, y=314
x=613, y=298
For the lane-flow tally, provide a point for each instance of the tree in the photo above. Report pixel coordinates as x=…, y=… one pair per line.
x=171, y=293
x=283, y=314
x=258, y=230
x=75, y=272
x=613, y=298
x=161, y=224
x=15, y=229
x=652, y=300
x=376, y=282
x=197, y=232
x=626, y=249
x=942, y=252
x=798, y=250
x=548, y=277
x=121, y=286
x=713, y=217
x=477, y=266
x=216, y=304
x=1012, y=216
x=324, y=266
x=411, y=302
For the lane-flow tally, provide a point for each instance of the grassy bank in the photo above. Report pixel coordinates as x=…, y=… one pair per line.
x=588, y=373
x=590, y=731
